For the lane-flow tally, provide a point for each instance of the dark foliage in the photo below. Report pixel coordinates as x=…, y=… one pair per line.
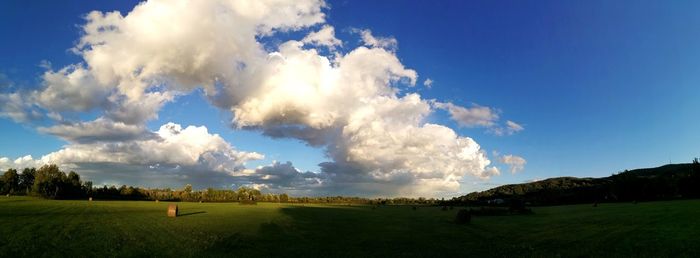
x=675, y=181
x=464, y=216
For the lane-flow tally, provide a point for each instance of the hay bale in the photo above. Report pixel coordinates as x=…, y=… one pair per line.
x=157, y=201
x=90, y=199
x=200, y=201
x=8, y=195
x=172, y=210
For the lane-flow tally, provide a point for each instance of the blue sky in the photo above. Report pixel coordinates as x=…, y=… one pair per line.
x=598, y=86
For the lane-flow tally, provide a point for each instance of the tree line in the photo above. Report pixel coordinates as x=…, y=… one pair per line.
x=52, y=183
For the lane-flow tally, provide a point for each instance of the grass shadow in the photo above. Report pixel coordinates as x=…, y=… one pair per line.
x=191, y=213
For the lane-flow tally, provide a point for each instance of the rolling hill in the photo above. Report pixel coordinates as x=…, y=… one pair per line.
x=673, y=181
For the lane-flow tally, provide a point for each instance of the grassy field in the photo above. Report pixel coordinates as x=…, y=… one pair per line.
x=34, y=227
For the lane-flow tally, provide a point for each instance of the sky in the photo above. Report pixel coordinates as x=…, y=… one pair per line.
x=366, y=98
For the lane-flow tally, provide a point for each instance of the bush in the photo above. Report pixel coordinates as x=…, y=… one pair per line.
x=518, y=207
x=463, y=216
x=444, y=208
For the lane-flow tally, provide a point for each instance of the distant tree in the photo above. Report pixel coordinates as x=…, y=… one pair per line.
x=49, y=182
x=284, y=197
x=87, y=188
x=11, y=181
x=26, y=179
x=188, y=188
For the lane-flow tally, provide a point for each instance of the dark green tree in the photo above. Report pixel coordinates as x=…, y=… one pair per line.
x=49, y=182
x=11, y=181
x=26, y=180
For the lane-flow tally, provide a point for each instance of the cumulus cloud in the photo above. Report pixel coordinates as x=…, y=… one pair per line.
x=354, y=104
x=515, y=163
x=171, y=144
x=20, y=163
x=180, y=154
x=324, y=37
x=73, y=88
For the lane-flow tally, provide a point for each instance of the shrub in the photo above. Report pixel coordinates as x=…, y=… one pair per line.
x=463, y=216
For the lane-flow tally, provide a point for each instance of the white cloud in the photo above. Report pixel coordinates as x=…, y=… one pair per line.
x=14, y=106
x=137, y=111
x=428, y=83
x=19, y=163
x=298, y=86
x=376, y=42
x=516, y=163
x=514, y=127
x=479, y=116
x=101, y=129
x=324, y=37
x=171, y=145
x=471, y=117
x=185, y=44
x=510, y=128
x=72, y=88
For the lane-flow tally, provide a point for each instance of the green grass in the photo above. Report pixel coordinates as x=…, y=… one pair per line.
x=34, y=227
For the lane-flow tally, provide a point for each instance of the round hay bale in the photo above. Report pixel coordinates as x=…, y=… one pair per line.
x=172, y=210
x=200, y=201
x=90, y=199
x=157, y=201
x=8, y=195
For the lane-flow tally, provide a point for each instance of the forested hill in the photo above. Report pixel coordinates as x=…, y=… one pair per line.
x=665, y=182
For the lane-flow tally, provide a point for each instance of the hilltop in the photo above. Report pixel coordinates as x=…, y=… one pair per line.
x=673, y=181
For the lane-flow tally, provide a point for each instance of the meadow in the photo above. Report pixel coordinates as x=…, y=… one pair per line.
x=38, y=227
